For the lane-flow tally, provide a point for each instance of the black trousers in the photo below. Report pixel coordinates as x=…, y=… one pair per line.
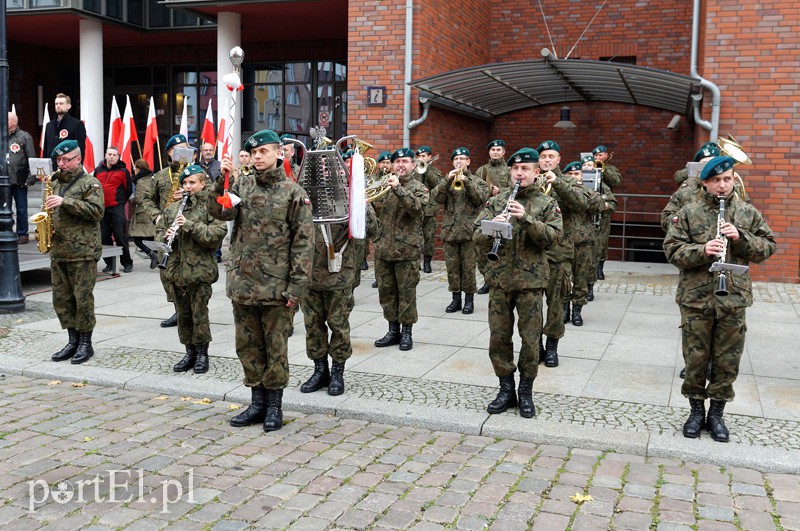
x=115, y=224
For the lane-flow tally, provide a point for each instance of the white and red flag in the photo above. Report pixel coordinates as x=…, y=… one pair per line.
x=185, y=118
x=150, y=136
x=115, y=126
x=208, y=135
x=88, y=157
x=45, y=121
x=128, y=134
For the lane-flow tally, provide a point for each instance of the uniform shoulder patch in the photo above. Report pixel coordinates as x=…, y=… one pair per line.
x=675, y=219
x=558, y=209
x=306, y=200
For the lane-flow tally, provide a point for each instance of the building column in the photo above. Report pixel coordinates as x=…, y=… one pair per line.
x=229, y=34
x=91, y=80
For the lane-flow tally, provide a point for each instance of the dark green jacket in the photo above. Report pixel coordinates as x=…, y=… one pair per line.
x=497, y=172
x=400, y=216
x=611, y=176
x=76, y=223
x=573, y=199
x=431, y=178
x=460, y=207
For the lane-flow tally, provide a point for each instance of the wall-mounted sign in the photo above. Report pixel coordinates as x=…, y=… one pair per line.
x=376, y=95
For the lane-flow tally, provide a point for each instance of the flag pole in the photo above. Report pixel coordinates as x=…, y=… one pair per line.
x=158, y=149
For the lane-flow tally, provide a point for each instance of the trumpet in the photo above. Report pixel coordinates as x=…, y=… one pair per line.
x=422, y=166
x=458, y=180
x=246, y=169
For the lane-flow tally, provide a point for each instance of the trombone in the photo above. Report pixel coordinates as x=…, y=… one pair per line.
x=422, y=166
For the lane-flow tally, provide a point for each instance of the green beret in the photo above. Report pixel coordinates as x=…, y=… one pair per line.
x=600, y=149
x=175, y=140
x=572, y=166
x=402, y=153
x=716, y=166
x=496, y=143
x=284, y=136
x=265, y=136
x=547, y=145
x=65, y=147
x=709, y=149
x=192, y=169
x=587, y=158
x=524, y=155
x=424, y=149
x=459, y=151
x=347, y=154
x=384, y=156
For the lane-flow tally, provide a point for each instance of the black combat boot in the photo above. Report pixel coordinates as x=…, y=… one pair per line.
x=590, y=294
x=69, y=349
x=525, y=392
x=201, y=365
x=426, y=264
x=566, y=312
x=153, y=259
x=392, y=337
x=455, y=305
x=577, y=320
x=714, y=423
x=375, y=284
x=336, y=386
x=682, y=375
x=484, y=289
x=600, y=275
x=506, y=397
x=542, y=351
x=85, y=350
x=696, y=420
x=364, y=265
x=406, y=343
x=255, y=411
x=188, y=360
x=469, y=303
x=319, y=379
x=172, y=321
x=551, y=356
x=274, y=418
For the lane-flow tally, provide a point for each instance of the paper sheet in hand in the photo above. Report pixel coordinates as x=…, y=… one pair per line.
x=496, y=228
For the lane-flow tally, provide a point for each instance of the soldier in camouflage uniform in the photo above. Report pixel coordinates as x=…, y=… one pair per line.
x=269, y=264
x=611, y=177
x=460, y=208
x=165, y=189
x=690, y=188
x=384, y=166
x=288, y=152
x=76, y=207
x=397, y=250
x=497, y=177
x=518, y=278
x=713, y=326
x=191, y=266
x=601, y=236
x=430, y=178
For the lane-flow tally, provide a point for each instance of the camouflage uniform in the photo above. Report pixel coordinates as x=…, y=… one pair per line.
x=690, y=190
x=518, y=277
x=398, y=249
x=460, y=209
x=713, y=327
x=601, y=233
x=497, y=173
x=76, y=248
x=269, y=262
x=191, y=267
x=430, y=179
x=611, y=179
x=156, y=198
x=584, y=231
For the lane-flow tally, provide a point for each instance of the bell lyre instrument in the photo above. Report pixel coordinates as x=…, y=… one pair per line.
x=499, y=229
x=720, y=265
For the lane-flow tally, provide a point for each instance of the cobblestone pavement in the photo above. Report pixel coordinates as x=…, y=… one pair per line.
x=176, y=463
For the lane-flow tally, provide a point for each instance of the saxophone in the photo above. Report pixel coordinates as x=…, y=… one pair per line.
x=44, y=219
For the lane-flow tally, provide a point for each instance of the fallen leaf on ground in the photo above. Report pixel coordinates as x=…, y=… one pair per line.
x=202, y=401
x=78, y=384
x=580, y=498
x=54, y=382
x=87, y=439
x=186, y=398
x=162, y=397
x=234, y=406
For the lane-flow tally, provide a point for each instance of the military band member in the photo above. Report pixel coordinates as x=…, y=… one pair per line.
x=191, y=266
x=430, y=178
x=289, y=153
x=497, y=177
x=611, y=177
x=269, y=264
x=384, y=166
x=398, y=249
x=518, y=278
x=601, y=239
x=165, y=189
x=462, y=202
x=690, y=188
x=77, y=208
x=713, y=326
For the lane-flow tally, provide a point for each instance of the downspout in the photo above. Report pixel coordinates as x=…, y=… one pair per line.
x=426, y=104
x=712, y=126
x=407, y=76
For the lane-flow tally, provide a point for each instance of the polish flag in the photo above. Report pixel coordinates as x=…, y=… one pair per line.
x=128, y=134
x=116, y=128
x=184, y=118
x=13, y=108
x=88, y=157
x=150, y=136
x=208, y=134
x=45, y=121
x=222, y=139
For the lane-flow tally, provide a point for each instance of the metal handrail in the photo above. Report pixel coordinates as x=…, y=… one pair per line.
x=625, y=213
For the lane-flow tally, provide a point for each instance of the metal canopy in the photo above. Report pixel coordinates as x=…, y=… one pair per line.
x=490, y=90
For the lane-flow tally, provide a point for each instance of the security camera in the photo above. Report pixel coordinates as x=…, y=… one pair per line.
x=673, y=124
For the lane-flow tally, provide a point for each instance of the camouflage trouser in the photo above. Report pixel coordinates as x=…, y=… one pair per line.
x=167, y=285
x=361, y=249
x=459, y=257
x=719, y=338
x=397, y=289
x=556, y=291
x=428, y=234
x=191, y=304
x=502, y=304
x=594, y=247
x=603, y=234
x=73, y=297
x=262, y=337
x=582, y=272
x=323, y=310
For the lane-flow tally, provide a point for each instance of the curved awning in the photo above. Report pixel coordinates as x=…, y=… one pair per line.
x=490, y=90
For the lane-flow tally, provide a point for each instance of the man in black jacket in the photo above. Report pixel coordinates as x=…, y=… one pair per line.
x=63, y=127
x=20, y=149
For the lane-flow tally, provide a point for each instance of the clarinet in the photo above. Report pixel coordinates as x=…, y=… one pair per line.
x=493, y=254
x=174, y=227
x=722, y=279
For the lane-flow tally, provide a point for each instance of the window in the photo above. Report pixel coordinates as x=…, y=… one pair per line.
x=625, y=59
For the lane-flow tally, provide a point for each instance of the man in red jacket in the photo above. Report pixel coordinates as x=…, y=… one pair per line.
x=117, y=188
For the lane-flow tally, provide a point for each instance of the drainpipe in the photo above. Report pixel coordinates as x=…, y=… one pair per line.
x=426, y=104
x=407, y=76
x=712, y=126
